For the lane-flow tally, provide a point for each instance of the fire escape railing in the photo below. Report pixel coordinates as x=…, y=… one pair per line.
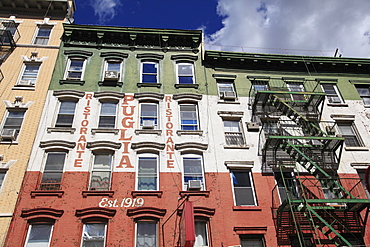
x=9, y=35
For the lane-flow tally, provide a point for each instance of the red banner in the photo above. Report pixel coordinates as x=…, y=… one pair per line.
x=187, y=227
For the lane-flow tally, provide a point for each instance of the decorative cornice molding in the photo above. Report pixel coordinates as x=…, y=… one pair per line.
x=146, y=212
x=95, y=212
x=68, y=93
x=150, y=56
x=191, y=146
x=78, y=53
x=41, y=212
x=148, y=146
x=103, y=145
x=119, y=55
x=57, y=144
x=149, y=96
x=185, y=57
x=109, y=95
x=187, y=96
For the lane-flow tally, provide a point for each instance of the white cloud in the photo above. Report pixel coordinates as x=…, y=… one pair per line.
x=106, y=10
x=295, y=27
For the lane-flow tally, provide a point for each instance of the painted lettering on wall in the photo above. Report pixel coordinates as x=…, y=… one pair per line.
x=126, y=123
x=170, y=145
x=81, y=142
x=125, y=202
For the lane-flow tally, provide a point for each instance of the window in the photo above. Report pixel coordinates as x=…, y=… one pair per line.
x=146, y=234
x=2, y=177
x=43, y=35
x=10, y=26
x=112, y=70
x=148, y=115
x=101, y=172
x=287, y=186
x=348, y=131
x=243, y=187
x=260, y=85
x=364, y=92
x=94, y=235
x=53, y=171
x=147, y=175
x=12, y=125
x=66, y=113
x=201, y=234
x=332, y=93
x=39, y=235
x=193, y=172
x=298, y=241
x=252, y=240
x=75, y=69
x=149, y=72
x=29, y=75
x=296, y=87
x=361, y=174
x=107, y=117
x=226, y=90
x=233, y=133
x=185, y=73
x=189, y=117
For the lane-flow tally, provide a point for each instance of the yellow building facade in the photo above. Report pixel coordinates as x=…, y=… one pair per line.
x=30, y=34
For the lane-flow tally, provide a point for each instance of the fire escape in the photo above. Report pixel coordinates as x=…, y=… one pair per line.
x=9, y=35
x=312, y=205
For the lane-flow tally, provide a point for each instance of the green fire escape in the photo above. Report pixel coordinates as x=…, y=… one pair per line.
x=9, y=35
x=314, y=206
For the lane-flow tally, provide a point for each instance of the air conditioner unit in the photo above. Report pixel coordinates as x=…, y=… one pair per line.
x=148, y=124
x=253, y=126
x=334, y=100
x=111, y=75
x=8, y=134
x=194, y=184
x=26, y=83
x=229, y=95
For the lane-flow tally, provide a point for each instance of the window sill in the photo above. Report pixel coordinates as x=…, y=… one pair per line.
x=36, y=193
x=367, y=106
x=204, y=193
x=338, y=104
x=104, y=130
x=356, y=148
x=158, y=85
x=19, y=87
x=187, y=86
x=61, y=129
x=236, y=147
x=148, y=131
x=61, y=82
x=247, y=208
x=9, y=142
x=137, y=193
x=87, y=193
x=110, y=83
x=190, y=132
x=228, y=102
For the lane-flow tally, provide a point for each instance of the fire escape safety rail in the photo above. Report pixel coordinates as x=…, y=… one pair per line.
x=9, y=35
x=323, y=209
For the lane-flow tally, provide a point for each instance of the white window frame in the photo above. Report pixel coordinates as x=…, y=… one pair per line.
x=290, y=178
x=61, y=125
x=258, y=237
x=2, y=180
x=26, y=80
x=354, y=134
x=149, y=118
x=27, y=244
x=332, y=98
x=43, y=38
x=146, y=222
x=156, y=63
x=364, y=96
x=106, y=65
x=101, y=169
x=204, y=225
x=197, y=126
x=250, y=174
x=296, y=87
x=84, y=228
x=178, y=74
x=61, y=171
x=139, y=174
x=107, y=115
x=69, y=70
x=13, y=127
x=193, y=156
x=225, y=86
x=238, y=134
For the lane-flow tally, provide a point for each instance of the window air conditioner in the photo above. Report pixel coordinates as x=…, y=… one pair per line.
x=8, y=134
x=194, y=184
x=26, y=83
x=334, y=100
x=111, y=75
x=148, y=124
x=253, y=126
x=229, y=95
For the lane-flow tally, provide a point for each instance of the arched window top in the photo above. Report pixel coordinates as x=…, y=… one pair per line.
x=150, y=56
x=68, y=94
x=149, y=96
x=109, y=95
x=191, y=147
x=103, y=145
x=146, y=212
x=41, y=214
x=190, y=97
x=150, y=147
x=201, y=212
x=87, y=214
x=184, y=58
x=114, y=55
x=57, y=145
x=78, y=53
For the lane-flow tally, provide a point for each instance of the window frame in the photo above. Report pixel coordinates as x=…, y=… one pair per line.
x=69, y=70
x=45, y=39
x=107, y=115
x=229, y=84
x=179, y=75
x=59, y=171
x=361, y=174
x=330, y=97
x=205, y=230
x=149, y=118
x=154, y=175
x=293, y=86
x=2, y=177
x=240, y=132
x=195, y=125
x=252, y=187
x=16, y=128
x=142, y=73
x=31, y=80
x=146, y=221
x=60, y=103
x=106, y=65
x=280, y=185
x=355, y=135
x=30, y=227
x=192, y=156
x=364, y=96
x=95, y=223
x=101, y=170
x=246, y=237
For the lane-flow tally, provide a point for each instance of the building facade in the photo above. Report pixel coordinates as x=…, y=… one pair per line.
x=148, y=140
x=30, y=37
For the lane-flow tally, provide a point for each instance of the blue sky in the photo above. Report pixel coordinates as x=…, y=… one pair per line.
x=309, y=27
